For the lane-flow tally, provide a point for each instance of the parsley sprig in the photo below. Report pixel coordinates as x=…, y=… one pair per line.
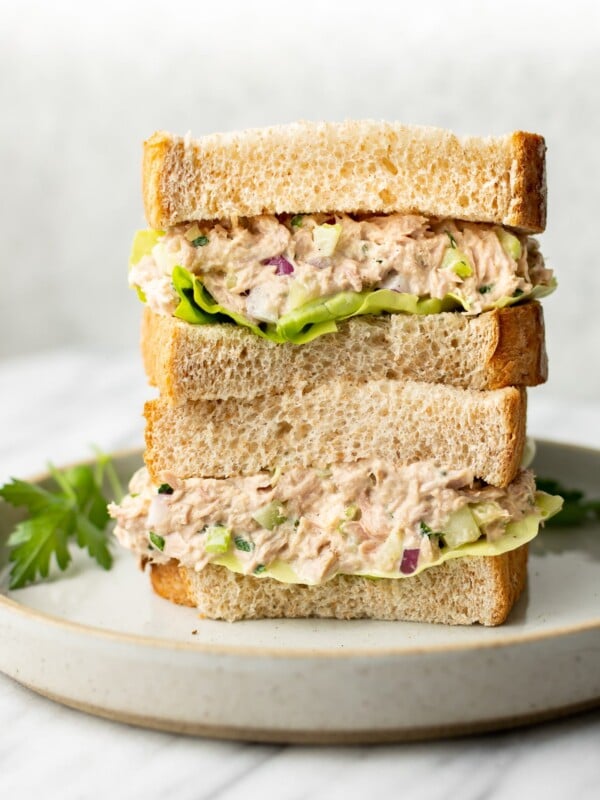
x=576, y=510
x=74, y=511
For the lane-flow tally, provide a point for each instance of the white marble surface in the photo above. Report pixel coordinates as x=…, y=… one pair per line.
x=52, y=406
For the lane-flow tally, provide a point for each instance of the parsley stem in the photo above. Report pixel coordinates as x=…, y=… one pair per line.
x=105, y=465
x=64, y=484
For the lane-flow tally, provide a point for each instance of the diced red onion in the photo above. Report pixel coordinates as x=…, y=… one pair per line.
x=283, y=265
x=410, y=560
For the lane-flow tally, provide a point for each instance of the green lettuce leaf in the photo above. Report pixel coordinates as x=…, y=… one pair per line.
x=318, y=317
x=516, y=534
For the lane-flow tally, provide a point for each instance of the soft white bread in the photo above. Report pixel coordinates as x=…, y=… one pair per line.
x=341, y=420
x=208, y=362
x=461, y=591
x=353, y=166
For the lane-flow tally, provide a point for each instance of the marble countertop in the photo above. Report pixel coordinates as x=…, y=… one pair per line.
x=56, y=405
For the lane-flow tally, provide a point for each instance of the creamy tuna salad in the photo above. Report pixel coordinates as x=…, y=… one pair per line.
x=266, y=268
x=360, y=518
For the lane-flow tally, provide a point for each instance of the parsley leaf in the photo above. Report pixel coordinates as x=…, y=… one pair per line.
x=452, y=240
x=576, y=510
x=157, y=541
x=243, y=544
x=74, y=511
x=427, y=531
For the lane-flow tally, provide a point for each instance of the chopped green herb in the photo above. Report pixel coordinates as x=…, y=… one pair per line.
x=364, y=248
x=157, y=541
x=296, y=221
x=243, y=544
x=75, y=510
x=452, y=239
x=426, y=530
x=487, y=288
x=164, y=488
x=201, y=241
x=260, y=568
x=576, y=510
x=379, y=261
x=518, y=293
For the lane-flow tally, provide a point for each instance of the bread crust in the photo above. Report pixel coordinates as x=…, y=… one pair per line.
x=498, y=348
x=519, y=357
x=352, y=166
x=168, y=581
x=462, y=591
x=528, y=175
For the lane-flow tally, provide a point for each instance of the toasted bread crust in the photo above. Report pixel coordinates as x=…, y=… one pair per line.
x=167, y=582
x=398, y=421
x=519, y=357
x=529, y=191
x=208, y=362
x=353, y=166
x=461, y=591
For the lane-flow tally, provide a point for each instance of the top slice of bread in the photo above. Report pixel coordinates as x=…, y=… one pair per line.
x=208, y=362
x=352, y=166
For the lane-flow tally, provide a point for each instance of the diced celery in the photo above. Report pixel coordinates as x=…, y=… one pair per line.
x=484, y=513
x=326, y=238
x=457, y=261
x=218, y=538
x=271, y=515
x=460, y=528
x=193, y=233
x=510, y=243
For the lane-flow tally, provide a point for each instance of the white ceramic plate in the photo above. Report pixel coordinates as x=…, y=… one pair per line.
x=102, y=642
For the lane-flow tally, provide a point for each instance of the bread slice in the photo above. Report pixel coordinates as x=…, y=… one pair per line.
x=461, y=591
x=208, y=362
x=341, y=420
x=353, y=166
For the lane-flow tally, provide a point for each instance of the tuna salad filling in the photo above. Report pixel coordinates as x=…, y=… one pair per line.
x=307, y=525
x=278, y=275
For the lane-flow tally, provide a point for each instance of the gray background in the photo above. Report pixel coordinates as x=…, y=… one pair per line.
x=83, y=84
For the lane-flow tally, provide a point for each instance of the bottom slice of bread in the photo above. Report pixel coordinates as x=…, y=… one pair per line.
x=461, y=591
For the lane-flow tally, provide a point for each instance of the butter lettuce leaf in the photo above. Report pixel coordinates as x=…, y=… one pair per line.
x=143, y=244
x=516, y=534
x=318, y=317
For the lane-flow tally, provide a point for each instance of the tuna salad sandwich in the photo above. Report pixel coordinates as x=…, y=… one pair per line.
x=341, y=320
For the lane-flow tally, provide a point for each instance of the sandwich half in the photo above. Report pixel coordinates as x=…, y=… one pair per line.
x=356, y=539
x=341, y=320
x=286, y=232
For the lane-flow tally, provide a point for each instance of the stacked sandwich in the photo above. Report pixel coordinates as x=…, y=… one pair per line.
x=341, y=320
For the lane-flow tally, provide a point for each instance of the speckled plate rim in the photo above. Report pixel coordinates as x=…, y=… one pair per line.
x=330, y=737
x=13, y=606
